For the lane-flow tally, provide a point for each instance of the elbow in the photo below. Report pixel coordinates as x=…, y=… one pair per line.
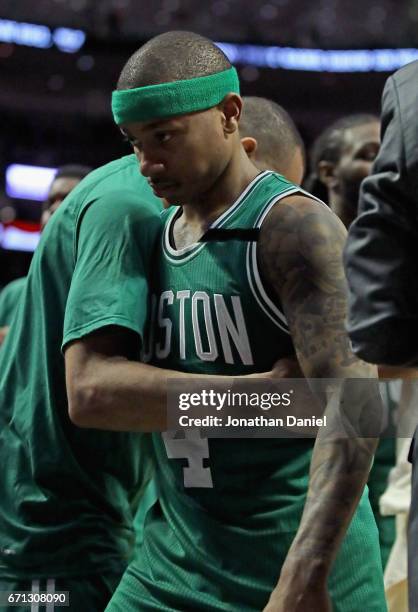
x=84, y=404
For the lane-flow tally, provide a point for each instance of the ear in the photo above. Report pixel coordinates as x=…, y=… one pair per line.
x=326, y=174
x=250, y=146
x=231, y=108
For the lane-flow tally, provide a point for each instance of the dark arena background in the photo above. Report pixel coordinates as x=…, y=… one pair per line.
x=59, y=61
x=215, y=256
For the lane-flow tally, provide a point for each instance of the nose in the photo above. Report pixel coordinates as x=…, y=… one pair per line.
x=150, y=166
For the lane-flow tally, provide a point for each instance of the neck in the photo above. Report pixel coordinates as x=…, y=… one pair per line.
x=343, y=209
x=222, y=194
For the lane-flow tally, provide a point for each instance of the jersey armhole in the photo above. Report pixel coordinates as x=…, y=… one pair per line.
x=260, y=289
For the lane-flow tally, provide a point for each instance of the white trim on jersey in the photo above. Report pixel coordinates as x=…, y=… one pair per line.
x=262, y=298
x=196, y=247
x=256, y=180
x=251, y=263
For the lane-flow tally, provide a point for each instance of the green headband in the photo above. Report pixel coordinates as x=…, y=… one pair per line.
x=176, y=98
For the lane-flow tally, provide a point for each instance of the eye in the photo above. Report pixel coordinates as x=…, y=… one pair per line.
x=125, y=136
x=368, y=153
x=163, y=137
x=132, y=141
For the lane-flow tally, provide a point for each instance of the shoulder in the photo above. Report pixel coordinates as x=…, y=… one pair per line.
x=116, y=192
x=401, y=91
x=301, y=214
x=120, y=204
x=399, y=125
x=407, y=74
x=301, y=237
x=117, y=183
x=13, y=288
x=17, y=284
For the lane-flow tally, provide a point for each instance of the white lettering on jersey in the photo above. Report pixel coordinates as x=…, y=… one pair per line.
x=212, y=353
x=230, y=326
x=182, y=296
x=193, y=448
x=163, y=350
x=228, y=329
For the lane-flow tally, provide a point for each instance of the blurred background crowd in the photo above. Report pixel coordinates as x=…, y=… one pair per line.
x=59, y=60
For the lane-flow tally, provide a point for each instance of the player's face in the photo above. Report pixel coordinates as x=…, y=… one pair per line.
x=182, y=157
x=58, y=191
x=361, y=147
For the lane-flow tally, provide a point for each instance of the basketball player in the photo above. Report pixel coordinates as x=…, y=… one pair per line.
x=65, y=513
x=221, y=540
x=342, y=157
x=271, y=140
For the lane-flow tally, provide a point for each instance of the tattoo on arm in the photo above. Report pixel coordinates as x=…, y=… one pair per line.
x=300, y=255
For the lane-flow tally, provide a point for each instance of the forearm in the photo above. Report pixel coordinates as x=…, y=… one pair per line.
x=121, y=395
x=341, y=461
x=339, y=471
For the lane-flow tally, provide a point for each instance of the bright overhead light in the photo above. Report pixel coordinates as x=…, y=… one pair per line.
x=29, y=182
x=67, y=40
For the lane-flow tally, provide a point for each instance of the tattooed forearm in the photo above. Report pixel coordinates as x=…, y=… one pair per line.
x=300, y=255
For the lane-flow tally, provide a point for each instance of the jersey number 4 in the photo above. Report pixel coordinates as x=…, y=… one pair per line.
x=193, y=448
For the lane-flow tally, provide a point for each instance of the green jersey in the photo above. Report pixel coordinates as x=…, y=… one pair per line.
x=65, y=490
x=9, y=300
x=228, y=509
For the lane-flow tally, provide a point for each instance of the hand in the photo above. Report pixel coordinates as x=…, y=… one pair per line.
x=287, y=367
x=3, y=334
x=310, y=601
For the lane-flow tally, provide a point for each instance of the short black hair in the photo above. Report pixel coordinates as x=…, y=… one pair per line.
x=72, y=171
x=172, y=56
x=273, y=128
x=329, y=146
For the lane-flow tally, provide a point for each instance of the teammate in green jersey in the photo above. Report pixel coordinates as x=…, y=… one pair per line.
x=66, y=178
x=229, y=510
x=9, y=299
x=65, y=516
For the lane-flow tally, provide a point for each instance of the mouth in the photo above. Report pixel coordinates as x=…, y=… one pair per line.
x=162, y=187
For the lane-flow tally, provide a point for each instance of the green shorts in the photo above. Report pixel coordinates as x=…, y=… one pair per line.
x=86, y=594
x=150, y=584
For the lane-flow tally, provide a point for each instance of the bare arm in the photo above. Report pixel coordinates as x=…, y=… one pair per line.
x=300, y=254
x=108, y=390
